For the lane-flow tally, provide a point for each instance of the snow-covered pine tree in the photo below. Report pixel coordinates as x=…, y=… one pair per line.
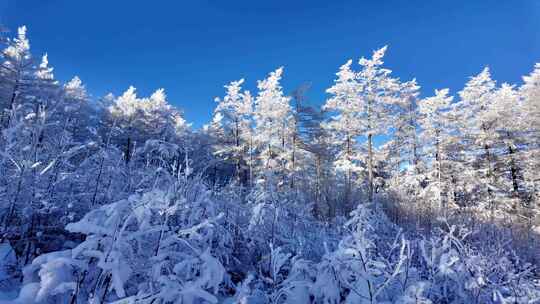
x=345, y=125
x=402, y=159
x=273, y=127
x=365, y=103
x=232, y=119
x=378, y=90
x=313, y=156
x=406, y=125
x=477, y=134
x=130, y=121
x=16, y=72
x=530, y=126
x=434, y=133
x=123, y=118
x=508, y=148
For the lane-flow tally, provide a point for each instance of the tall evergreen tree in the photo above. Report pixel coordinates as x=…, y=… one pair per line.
x=232, y=117
x=345, y=126
x=273, y=126
x=434, y=133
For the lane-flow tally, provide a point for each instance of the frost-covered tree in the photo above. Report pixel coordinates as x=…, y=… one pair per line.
x=530, y=91
x=474, y=137
x=378, y=91
x=29, y=149
x=346, y=125
x=313, y=153
x=530, y=126
x=232, y=119
x=405, y=139
x=126, y=116
x=79, y=115
x=365, y=103
x=133, y=120
x=17, y=72
x=401, y=162
x=434, y=133
x=273, y=118
x=509, y=147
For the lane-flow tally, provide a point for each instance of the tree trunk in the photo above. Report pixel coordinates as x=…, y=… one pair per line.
x=513, y=170
x=293, y=160
x=414, y=152
x=489, y=177
x=11, y=102
x=317, y=186
x=237, y=150
x=128, y=150
x=348, y=189
x=370, y=167
x=439, y=173
x=251, y=160
x=8, y=219
x=98, y=180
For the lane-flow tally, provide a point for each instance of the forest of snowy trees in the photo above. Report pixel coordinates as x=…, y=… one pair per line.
x=377, y=196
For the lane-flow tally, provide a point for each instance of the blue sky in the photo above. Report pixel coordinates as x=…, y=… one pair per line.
x=193, y=48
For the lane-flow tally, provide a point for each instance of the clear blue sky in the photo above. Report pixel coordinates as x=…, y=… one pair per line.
x=193, y=48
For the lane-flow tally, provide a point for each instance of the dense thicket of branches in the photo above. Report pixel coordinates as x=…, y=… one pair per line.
x=273, y=201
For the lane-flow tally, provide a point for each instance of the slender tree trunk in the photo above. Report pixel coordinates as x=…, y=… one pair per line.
x=106, y=289
x=29, y=242
x=283, y=159
x=161, y=231
x=513, y=170
x=370, y=150
x=269, y=157
x=293, y=160
x=317, y=185
x=490, y=177
x=8, y=219
x=237, y=150
x=439, y=172
x=370, y=167
x=348, y=186
x=128, y=150
x=412, y=125
x=98, y=180
x=12, y=101
x=251, y=160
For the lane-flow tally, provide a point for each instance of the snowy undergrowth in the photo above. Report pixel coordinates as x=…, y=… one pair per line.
x=179, y=246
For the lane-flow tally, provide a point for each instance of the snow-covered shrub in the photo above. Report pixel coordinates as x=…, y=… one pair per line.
x=249, y=291
x=367, y=272
x=327, y=287
x=52, y=277
x=457, y=272
x=297, y=287
x=415, y=294
x=8, y=267
x=148, y=247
